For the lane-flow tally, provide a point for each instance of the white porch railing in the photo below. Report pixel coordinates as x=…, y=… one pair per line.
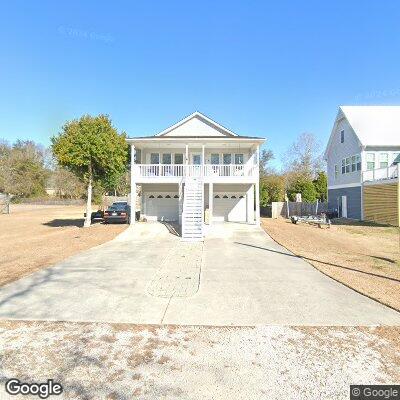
x=391, y=172
x=191, y=170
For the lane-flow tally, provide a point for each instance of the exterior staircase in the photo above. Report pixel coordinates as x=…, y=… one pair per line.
x=193, y=209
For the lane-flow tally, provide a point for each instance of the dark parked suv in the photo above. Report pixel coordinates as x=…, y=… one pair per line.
x=119, y=211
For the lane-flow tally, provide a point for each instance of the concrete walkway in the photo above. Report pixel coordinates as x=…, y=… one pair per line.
x=245, y=279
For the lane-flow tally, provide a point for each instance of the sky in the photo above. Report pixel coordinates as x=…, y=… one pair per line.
x=260, y=68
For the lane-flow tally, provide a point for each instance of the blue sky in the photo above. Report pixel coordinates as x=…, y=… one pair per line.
x=272, y=69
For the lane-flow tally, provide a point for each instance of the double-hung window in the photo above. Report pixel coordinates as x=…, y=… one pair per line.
x=348, y=164
x=343, y=166
x=154, y=158
x=355, y=163
x=178, y=158
x=166, y=158
x=214, y=158
x=227, y=158
x=370, y=161
x=383, y=160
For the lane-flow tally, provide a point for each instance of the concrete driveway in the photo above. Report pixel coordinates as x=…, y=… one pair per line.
x=239, y=276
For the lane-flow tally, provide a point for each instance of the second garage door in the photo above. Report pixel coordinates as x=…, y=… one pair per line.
x=229, y=207
x=162, y=206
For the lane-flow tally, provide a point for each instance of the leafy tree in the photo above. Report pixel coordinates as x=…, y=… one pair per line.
x=22, y=169
x=303, y=185
x=272, y=188
x=92, y=149
x=321, y=186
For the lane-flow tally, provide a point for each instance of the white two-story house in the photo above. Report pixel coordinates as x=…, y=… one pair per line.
x=363, y=150
x=196, y=172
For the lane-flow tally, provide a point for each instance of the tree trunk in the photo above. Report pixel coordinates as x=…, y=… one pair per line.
x=89, y=202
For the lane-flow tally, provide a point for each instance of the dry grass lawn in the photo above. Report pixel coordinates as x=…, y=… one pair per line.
x=35, y=237
x=363, y=256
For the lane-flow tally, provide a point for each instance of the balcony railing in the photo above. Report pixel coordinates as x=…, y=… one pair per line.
x=191, y=170
x=391, y=172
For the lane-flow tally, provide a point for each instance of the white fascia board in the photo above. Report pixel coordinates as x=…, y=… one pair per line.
x=195, y=139
x=343, y=186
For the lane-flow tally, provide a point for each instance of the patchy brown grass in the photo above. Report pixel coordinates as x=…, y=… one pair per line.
x=365, y=257
x=35, y=237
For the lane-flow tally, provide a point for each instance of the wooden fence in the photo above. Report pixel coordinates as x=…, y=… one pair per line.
x=280, y=209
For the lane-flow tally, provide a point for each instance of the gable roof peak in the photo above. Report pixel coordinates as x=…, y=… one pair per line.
x=202, y=117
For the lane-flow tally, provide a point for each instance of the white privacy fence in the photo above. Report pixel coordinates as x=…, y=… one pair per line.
x=191, y=170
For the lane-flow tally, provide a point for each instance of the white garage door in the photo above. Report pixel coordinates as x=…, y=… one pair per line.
x=229, y=207
x=162, y=206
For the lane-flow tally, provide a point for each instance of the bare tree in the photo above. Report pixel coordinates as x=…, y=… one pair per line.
x=304, y=156
x=265, y=157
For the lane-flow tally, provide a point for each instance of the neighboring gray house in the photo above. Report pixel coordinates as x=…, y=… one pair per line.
x=363, y=148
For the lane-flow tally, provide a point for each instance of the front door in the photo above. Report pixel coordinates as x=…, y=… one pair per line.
x=344, y=206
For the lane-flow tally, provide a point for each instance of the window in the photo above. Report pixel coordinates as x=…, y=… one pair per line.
x=154, y=158
x=358, y=161
x=348, y=164
x=239, y=159
x=166, y=158
x=383, y=160
x=396, y=158
x=370, y=161
x=342, y=136
x=178, y=158
x=214, y=158
x=336, y=171
x=227, y=158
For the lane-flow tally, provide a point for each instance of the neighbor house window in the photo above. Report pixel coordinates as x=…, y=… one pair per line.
x=227, y=158
x=214, y=158
x=348, y=164
x=343, y=166
x=396, y=158
x=336, y=171
x=154, y=158
x=370, y=161
x=383, y=160
x=342, y=136
x=178, y=158
x=355, y=163
x=239, y=159
x=166, y=158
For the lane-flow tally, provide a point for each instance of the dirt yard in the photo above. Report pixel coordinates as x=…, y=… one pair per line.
x=121, y=361
x=35, y=237
x=363, y=256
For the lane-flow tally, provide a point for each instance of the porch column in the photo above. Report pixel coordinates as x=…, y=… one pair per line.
x=186, y=159
x=250, y=204
x=203, y=160
x=210, y=202
x=258, y=202
x=133, y=186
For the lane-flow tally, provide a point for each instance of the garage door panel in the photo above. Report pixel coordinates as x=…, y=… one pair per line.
x=229, y=207
x=162, y=206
